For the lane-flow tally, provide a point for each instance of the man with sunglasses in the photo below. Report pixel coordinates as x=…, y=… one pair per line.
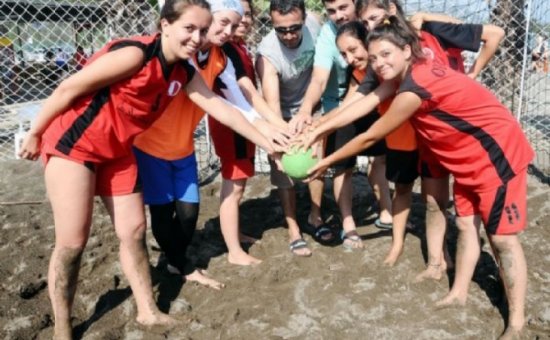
x=284, y=64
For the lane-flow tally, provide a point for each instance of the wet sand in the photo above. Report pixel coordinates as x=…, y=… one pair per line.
x=334, y=294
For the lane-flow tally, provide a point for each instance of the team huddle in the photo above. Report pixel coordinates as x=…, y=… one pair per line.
x=369, y=81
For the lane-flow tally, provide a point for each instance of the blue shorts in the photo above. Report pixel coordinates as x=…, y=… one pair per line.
x=167, y=181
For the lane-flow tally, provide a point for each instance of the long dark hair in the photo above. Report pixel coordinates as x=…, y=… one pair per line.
x=174, y=9
x=393, y=30
x=354, y=29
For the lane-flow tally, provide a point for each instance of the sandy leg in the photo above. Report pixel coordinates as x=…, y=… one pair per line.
x=343, y=193
x=288, y=201
x=467, y=255
x=513, y=271
x=512, y=334
x=231, y=194
x=401, y=206
x=393, y=255
x=380, y=187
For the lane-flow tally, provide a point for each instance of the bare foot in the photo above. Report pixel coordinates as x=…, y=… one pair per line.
x=157, y=319
x=512, y=334
x=432, y=272
x=450, y=301
x=393, y=256
x=200, y=277
x=242, y=259
x=248, y=239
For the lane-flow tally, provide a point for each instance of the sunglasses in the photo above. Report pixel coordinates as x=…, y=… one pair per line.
x=290, y=29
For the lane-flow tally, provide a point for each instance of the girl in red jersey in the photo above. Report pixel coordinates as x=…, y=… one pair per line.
x=472, y=135
x=444, y=38
x=84, y=133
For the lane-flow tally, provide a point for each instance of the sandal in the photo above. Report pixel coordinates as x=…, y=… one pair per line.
x=381, y=225
x=352, y=237
x=321, y=232
x=297, y=245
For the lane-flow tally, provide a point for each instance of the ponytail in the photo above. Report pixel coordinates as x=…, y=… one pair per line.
x=398, y=32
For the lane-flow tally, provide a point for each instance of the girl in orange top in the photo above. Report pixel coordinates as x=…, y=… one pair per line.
x=401, y=153
x=349, y=40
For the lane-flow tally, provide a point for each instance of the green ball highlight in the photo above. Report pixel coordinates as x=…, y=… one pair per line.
x=297, y=162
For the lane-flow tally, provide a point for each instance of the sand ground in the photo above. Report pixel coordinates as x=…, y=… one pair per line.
x=332, y=295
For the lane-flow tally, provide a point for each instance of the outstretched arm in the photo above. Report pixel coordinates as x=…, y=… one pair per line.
x=199, y=93
x=402, y=108
x=107, y=69
x=317, y=85
x=269, y=79
x=359, y=107
x=259, y=103
x=351, y=97
x=232, y=91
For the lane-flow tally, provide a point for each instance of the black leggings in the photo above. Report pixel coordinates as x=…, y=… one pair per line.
x=173, y=226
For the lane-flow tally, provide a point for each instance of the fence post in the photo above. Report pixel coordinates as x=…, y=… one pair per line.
x=525, y=58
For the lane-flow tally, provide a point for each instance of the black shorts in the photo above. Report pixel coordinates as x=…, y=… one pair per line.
x=342, y=136
x=335, y=141
x=362, y=125
x=401, y=166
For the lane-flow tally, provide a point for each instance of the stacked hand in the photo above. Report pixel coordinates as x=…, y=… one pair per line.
x=299, y=122
x=310, y=138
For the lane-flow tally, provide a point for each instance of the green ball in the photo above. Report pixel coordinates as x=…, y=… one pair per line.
x=296, y=163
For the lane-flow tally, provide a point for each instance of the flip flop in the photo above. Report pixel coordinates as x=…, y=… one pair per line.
x=299, y=244
x=381, y=225
x=353, y=236
x=320, y=233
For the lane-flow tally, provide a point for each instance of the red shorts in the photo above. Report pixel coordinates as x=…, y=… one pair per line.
x=429, y=166
x=115, y=177
x=237, y=168
x=503, y=209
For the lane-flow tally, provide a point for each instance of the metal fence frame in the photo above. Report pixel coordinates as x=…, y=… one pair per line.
x=91, y=23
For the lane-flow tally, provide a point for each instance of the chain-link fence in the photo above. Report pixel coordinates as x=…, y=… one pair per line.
x=43, y=41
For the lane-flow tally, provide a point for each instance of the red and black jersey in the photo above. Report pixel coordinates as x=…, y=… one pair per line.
x=452, y=39
x=440, y=41
x=465, y=127
x=102, y=125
